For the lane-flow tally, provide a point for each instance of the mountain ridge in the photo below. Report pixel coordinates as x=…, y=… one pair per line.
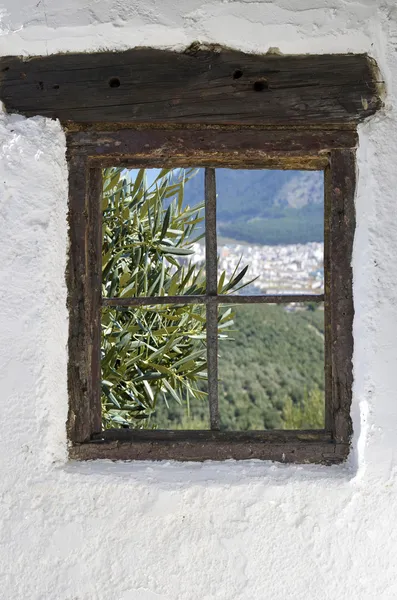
x=265, y=206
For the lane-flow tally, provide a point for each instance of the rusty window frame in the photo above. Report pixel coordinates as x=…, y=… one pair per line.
x=89, y=150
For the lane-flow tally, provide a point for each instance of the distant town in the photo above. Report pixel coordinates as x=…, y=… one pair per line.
x=290, y=269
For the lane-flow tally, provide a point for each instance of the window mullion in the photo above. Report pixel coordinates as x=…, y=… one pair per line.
x=211, y=264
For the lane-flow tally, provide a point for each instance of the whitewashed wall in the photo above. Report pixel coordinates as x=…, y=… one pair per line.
x=184, y=532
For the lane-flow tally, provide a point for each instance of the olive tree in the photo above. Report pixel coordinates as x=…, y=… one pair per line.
x=151, y=353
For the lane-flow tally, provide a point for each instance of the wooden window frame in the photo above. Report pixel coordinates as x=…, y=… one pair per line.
x=88, y=152
x=214, y=107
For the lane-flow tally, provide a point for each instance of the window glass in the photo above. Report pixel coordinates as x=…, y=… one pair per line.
x=154, y=368
x=154, y=355
x=271, y=368
x=152, y=232
x=272, y=221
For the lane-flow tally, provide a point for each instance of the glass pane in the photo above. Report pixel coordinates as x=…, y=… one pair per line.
x=154, y=367
x=271, y=223
x=153, y=226
x=171, y=415
x=271, y=368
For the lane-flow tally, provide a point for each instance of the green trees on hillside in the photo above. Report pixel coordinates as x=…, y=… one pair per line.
x=271, y=372
x=307, y=414
x=276, y=356
x=279, y=226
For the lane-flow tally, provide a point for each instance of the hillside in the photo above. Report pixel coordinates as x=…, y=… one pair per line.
x=272, y=357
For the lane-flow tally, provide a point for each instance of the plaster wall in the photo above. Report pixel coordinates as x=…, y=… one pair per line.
x=231, y=531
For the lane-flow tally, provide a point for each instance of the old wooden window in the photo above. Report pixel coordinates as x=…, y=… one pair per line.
x=206, y=108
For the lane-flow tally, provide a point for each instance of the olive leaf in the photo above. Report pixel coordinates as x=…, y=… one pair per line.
x=152, y=354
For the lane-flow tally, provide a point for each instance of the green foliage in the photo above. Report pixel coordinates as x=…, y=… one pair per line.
x=152, y=352
x=271, y=368
x=276, y=355
x=308, y=414
x=142, y=240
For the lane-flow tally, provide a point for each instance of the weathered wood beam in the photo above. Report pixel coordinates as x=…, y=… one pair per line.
x=283, y=446
x=210, y=85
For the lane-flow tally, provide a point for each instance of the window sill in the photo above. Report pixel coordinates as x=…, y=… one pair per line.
x=281, y=446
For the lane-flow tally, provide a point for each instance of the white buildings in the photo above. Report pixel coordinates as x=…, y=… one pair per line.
x=295, y=268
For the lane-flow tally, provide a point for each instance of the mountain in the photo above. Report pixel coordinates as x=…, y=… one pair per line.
x=265, y=206
x=300, y=189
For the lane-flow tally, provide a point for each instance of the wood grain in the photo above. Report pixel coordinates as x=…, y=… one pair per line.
x=340, y=187
x=222, y=146
x=211, y=85
x=282, y=446
x=84, y=279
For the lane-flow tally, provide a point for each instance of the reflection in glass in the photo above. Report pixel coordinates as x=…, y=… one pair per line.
x=272, y=221
x=152, y=236
x=154, y=367
x=271, y=368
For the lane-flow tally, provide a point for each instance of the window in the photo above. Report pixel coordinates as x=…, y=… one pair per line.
x=215, y=109
x=328, y=444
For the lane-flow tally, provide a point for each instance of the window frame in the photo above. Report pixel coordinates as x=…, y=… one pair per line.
x=331, y=148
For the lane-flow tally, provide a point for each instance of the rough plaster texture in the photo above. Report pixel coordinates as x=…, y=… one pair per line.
x=170, y=531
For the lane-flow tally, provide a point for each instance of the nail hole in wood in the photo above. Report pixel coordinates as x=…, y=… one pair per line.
x=260, y=85
x=237, y=74
x=114, y=82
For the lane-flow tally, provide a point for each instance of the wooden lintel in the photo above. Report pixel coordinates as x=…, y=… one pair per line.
x=211, y=85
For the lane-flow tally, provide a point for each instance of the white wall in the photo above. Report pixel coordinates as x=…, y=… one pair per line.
x=195, y=531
